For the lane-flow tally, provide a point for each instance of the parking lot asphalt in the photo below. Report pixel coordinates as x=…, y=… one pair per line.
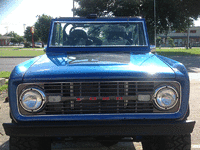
x=192, y=63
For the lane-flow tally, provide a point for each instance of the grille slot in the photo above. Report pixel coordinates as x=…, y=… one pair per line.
x=73, y=90
x=88, y=107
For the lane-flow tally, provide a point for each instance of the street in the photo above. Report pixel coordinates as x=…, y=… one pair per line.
x=192, y=64
x=7, y=64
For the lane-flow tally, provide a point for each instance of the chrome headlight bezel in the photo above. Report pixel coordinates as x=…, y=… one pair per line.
x=161, y=89
x=39, y=104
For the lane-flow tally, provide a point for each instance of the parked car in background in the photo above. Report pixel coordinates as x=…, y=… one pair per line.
x=38, y=45
x=11, y=44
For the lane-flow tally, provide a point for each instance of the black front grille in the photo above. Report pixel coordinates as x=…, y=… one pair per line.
x=99, y=88
x=99, y=97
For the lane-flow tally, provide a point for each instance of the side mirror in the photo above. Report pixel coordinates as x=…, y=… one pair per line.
x=153, y=48
x=45, y=48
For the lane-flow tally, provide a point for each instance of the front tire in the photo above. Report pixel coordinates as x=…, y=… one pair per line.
x=174, y=142
x=29, y=143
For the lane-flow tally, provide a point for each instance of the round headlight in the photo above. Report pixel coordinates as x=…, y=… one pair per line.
x=32, y=99
x=166, y=97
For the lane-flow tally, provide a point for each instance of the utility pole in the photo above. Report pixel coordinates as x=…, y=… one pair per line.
x=73, y=8
x=188, y=37
x=24, y=27
x=32, y=32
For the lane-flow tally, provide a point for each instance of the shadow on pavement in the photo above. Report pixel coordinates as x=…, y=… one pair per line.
x=93, y=146
x=86, y=145
x=192, y=63
x=5, y=146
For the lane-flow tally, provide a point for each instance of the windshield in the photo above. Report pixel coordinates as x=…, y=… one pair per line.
x=97, y=34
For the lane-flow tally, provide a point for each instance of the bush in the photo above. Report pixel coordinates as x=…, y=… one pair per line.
x=27, y=45
x=171, y=42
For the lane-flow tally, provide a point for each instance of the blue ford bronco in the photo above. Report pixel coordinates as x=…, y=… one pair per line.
x=99, y=79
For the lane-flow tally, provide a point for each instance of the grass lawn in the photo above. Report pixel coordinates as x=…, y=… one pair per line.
x=178, y=52
x=4, y=51
x=3, y=87
x=4, y=74
x=39, y=51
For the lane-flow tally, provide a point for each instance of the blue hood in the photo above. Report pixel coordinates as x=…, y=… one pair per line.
x=98, y=66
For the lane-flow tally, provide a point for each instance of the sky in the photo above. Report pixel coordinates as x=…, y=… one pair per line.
x=15, y=15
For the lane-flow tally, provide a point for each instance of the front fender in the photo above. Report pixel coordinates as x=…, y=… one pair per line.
x=181, y=75
x=15, y=79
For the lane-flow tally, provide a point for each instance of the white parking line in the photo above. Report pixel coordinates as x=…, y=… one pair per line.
x=196, y=146
x=194, y=76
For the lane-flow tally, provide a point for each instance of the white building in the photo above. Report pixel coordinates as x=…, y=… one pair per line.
x=180, y=38
x=5, y=40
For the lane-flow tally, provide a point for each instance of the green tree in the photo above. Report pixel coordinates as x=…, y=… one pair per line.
x=170, y=41
x=174, y=14
x=28, y=35
x=42, y=27
x=20, y=39
x=15, y=37
x=99, y=7
x=159, y=41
